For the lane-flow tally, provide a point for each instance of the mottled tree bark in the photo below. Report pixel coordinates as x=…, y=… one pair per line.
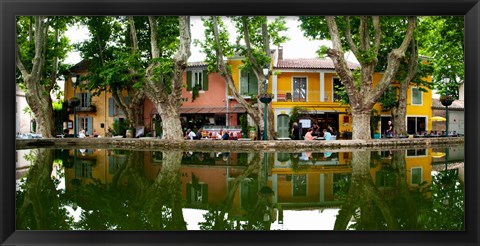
x=38, y=94
x=167, y=95
x=399, y=112
x=362, y=94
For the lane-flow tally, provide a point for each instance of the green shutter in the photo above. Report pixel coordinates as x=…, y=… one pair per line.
x=189, y=80
x=205, y=80
x=189, y=193
x=243, y=82
x=252, y=83
x=204, y=193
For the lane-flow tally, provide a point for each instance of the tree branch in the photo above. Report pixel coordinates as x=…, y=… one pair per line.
x=394, y=58
x=348, y=36
x=154, y=37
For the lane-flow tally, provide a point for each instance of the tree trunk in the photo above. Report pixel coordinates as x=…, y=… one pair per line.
x=37, y=95
x=167, y=95
x=400, y=111
x=361, y=124
x=166, y=191
x=363, y=97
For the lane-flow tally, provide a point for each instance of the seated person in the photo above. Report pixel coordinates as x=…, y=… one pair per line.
x=308, y=135
x=225, y=136
x=326, y=134
x=199, y=134
x=190, y=135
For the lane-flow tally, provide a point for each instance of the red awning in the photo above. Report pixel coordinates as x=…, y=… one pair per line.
x=208, y=110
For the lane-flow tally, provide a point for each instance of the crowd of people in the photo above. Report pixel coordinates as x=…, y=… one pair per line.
x=201, y=134
x=313, y=133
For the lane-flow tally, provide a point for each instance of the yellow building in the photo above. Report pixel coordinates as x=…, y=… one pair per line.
x=310, y=83
x=95, y=112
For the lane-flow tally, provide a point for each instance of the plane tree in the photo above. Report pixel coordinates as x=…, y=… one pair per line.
x=40, y=48
x=114, y=64
x=363, y=36
x=254, y=36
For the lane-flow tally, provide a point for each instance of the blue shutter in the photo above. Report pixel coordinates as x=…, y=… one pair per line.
x=89, y=100
x=110, y=107
x=90, y=125
x=111, y=165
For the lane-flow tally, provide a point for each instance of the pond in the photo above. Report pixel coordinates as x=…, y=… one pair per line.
x=118, y=189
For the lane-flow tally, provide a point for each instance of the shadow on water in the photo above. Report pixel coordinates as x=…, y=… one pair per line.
x=100, y=189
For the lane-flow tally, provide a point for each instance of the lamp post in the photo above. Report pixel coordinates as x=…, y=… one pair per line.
x=74, y=83
x=265, y=99
x=446, y=101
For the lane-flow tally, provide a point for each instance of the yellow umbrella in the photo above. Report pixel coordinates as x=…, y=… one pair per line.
x=438, y=118
x=438, y=154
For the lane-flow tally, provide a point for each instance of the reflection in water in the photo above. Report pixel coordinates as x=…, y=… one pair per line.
x=151, y=190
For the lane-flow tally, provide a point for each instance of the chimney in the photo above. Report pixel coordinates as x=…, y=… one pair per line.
x=280, y=52
x=461, y=91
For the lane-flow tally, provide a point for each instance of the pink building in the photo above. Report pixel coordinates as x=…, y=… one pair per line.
x=205, y=102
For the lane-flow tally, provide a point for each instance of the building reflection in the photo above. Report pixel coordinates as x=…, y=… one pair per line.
x=298, y=181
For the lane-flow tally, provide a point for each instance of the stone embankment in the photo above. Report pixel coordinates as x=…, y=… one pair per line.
x=236, y=145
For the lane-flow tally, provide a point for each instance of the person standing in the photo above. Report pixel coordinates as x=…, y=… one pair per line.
x=295, y=131
x=389, y=131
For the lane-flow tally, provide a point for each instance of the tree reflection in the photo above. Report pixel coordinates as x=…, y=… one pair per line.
x=258, y=214
x=39, y=203
x=132, y=201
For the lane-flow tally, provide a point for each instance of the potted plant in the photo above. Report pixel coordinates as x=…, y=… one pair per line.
x=74, y=102
x=265, y=97
x=446, y=100
x=252, y=132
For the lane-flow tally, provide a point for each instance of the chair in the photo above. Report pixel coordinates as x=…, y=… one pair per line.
x=288, y=97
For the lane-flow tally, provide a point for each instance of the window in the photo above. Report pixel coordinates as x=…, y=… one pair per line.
x=417, y=96
x=417, y=152
x=85, y=123
x=114, y=109
x=248, y=82
x=84, y=99
x=416, y=125
x=197, y=193
x=299, y=89
x=83, y=168
x=416, y=175
x=197, y=78
x=336, y=83
x=299, y=185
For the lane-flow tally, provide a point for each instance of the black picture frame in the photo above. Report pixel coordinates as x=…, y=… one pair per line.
x=10, y=8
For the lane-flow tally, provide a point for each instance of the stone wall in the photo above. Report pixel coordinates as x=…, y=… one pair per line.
x=234, y=145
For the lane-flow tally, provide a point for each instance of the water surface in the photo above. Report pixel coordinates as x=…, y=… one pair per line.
x=109, y=189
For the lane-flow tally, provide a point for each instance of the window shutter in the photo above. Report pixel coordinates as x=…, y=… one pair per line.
x=189, y=80
x=110, y=107
x=243, y=82
x=89, y=99
x=204, y=193
x=205, y=80
x=90, y=125
x=189, y=193
x=111, y=165
x=253, y=83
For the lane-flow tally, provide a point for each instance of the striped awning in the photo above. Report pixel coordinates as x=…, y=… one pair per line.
x=208, y=110
x=211, y=110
